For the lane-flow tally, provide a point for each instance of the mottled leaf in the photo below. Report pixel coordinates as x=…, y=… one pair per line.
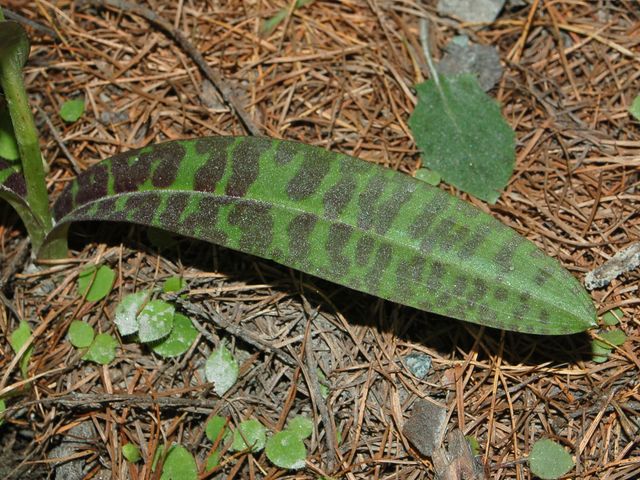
x=221, y=369
x=463, y=135
x=286, y=450
x=301, y=426
x=126, y=316
x=341, y=219
x=155, y=321
x=180, y=339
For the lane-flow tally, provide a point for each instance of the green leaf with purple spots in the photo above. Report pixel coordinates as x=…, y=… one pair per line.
x=339, y=218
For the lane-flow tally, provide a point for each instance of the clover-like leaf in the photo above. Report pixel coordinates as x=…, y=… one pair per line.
x=96, y=282
x=72, y=110
x=548, y=460
x=17, y=339
x=180, y=339
x=615, y=337
x=222, y=370
x=80, y=334
x=216, y=428
x=126, y=316
x=179, y=465
x=286, y=450
x=301, y=427
x=173, y=284
x=155, y=321
x=102, y=350
x=249, y=434
x=131, y=452
x=612, y=317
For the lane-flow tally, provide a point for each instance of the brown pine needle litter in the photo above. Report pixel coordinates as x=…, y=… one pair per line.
x=338, y=74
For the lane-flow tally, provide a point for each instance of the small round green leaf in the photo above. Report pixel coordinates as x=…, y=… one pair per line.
x=286, y=450
x=126, y=317
x=102, y=350
x=179, y=465
x=429, y=176
x=173, y=284
x=612, y=317
x=17, y=339
x=155, y=321
x=216, y=428
x=548, y=460
x=222, y=370
x=80, y=334
x=249, y=434
x=179, y=340
x=599, y=351
x=213, y=460
x=614, y=337
x=96, y=282
x=131, y=452
x=301, y=427
x=72, y=110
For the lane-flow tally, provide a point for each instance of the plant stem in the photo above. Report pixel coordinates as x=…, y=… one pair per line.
x=26, y=134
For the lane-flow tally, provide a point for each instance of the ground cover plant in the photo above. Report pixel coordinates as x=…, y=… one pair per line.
x=296, y=338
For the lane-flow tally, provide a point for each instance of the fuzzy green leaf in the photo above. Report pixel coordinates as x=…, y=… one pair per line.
x=548, y=460
x=463, y=135
x=72, y=110
x=222, y=370
x=180, y=338
x=179, y=465
x=126, y=316
x=301, y=427
x=96, y=282
x=17, y=339
x=249, y=434
x=341, y=219
x=286, y=450
x=155, y=321
x=131, y=452
x=102, y=350
x=80, y=334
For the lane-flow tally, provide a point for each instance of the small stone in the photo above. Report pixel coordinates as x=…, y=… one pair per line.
x=476, y=11
x=425, y=426
x=464, y=56
x=419, y=364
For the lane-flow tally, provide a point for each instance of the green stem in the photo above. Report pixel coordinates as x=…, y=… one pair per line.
x=26, y=134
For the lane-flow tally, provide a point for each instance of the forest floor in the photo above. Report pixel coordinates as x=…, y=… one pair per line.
x=339, y=75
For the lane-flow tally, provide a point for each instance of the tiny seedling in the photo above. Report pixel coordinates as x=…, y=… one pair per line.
x=81, y=334
x=17, y=339
x=131, y=452
x=179, y=465
x=222, y=370
x=548, y=460
x=250, y=434
x=72, y=110
x=102, y=350
x=95, y=282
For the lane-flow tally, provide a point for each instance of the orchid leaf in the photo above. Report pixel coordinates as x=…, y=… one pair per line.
x=341, y=219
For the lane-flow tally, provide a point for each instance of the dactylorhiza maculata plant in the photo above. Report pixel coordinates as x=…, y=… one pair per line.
x=324, y=213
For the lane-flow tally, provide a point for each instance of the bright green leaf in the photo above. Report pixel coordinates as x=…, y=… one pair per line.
x=96, y=282
x=249, y=434
x=179, y=465
x=173, y=284
x=155, y=321
x=634, y=109
x=80, y=334
x=156, y=457
x=17, y=339
x=72, y=110
x=429, y=176
x=463, y=135
x=612, y=317
x=301, y=427
x=222, y=370
x=131, y=452
x=548, y=460
x=213, y=460
x=3, y=407
x=102, y=350
x=286, y=450
x=8, y=143
x=180, y=338
x=126, y=317
x=216, y=428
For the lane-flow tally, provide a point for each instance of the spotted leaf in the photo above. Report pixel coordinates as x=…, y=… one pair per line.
x=339, y=218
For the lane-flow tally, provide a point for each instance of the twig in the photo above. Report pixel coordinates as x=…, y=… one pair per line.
x=217, y=81
x=58, y=138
